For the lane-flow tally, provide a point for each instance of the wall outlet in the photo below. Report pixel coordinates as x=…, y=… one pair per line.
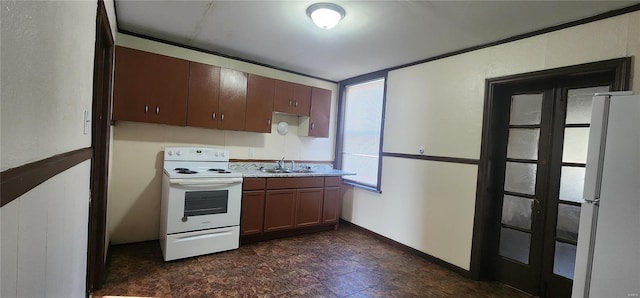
x=251, y=152
x=421, y=150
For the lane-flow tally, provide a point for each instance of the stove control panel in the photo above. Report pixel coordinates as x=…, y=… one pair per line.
x=196, y=154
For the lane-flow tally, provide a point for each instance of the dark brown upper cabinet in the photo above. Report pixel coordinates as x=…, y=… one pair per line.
x=233, y=99
x=159, y=89
x=301, y=99
x=217, y=97
x=318, y=123
x=260, y=91
x=292, y=98
x=150, y=88
x=204, y=90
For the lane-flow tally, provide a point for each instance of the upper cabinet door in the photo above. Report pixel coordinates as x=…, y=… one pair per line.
x=170, y=90
x=232, y=101
x=150, y=87
x=133, y=77
x=320, y=113
x=259, y=103
x=301, y=99
x=292, y=98
x=204, y=89
x=283, y=96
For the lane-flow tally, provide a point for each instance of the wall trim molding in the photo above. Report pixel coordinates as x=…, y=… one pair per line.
x=469, y=161
x=19, y=180
x=411, y=250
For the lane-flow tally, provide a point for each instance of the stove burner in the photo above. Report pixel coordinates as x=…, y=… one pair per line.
x=220, y=171
x=180, y=169
x=186, y=171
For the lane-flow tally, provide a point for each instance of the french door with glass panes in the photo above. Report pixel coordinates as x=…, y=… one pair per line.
x=545, y=130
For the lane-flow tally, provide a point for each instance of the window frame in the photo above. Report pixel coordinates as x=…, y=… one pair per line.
x=342, y=87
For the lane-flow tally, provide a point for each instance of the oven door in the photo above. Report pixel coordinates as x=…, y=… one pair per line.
x=204, y=203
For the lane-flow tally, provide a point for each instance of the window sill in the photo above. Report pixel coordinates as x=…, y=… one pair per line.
x=361, y=185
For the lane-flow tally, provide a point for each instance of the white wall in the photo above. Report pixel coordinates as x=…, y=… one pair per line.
x=430, y=205
x=47, y=53
x=44, y=238
x=134, y=194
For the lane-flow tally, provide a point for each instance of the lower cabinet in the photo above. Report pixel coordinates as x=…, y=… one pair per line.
x=292, y=208
x=252, y=217
x=289, y=204
x=331, y=207
x=332, y=202
x=308, y=207
x=252, y=212
x=279, y=210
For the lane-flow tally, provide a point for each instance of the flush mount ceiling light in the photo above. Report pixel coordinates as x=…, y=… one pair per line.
x=325, y=15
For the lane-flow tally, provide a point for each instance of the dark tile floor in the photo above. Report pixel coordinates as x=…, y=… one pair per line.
x=343, y=263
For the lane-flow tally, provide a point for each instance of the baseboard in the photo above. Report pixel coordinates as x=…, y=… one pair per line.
x=411, y=250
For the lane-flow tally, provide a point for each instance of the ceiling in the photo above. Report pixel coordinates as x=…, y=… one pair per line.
x=374, y=35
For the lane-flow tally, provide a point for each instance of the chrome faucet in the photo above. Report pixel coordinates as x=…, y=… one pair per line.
x=293, y=165
x=280, y=163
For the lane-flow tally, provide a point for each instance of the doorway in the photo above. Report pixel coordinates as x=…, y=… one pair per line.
x=535, y=133
x=100, y=134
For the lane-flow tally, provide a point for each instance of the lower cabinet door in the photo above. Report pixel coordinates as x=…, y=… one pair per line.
x=309, y=207
x=279, y=210
x=252, y=217
x=331, y=207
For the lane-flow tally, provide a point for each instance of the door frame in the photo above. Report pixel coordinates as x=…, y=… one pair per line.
x=484, y=241
x=100, y=142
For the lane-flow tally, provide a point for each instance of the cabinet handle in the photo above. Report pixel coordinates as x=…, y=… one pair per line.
x=157, y=110
x=313, y=125
x=213, y=115
x=146, y=108
x=221, y=116
x=268, y=121
x=296, y=103
x=290, y=102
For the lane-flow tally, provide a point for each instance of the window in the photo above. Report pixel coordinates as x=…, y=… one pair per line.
x=360, y=129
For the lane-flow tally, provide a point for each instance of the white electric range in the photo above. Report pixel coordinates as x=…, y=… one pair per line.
x=201, y=201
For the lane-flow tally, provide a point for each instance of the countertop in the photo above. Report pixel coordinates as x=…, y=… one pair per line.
x=252, y=170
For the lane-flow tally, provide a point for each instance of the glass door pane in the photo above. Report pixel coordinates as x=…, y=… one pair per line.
x=579, y=104
x=526, y=109
x=520, y=177
x=523, y=143
x=516, y=211
x=574, y=157
x=571, y=184
x=575, y=144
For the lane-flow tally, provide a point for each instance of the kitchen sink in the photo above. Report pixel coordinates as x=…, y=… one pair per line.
x=303, y=171
x=276, y=171
x=286, y=171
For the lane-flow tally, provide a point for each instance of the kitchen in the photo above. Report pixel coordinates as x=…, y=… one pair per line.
x=416, y=209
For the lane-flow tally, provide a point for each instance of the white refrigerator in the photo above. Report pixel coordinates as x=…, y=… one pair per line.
x=608, y=252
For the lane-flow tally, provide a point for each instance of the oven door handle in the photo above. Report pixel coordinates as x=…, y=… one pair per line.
x=205, y=182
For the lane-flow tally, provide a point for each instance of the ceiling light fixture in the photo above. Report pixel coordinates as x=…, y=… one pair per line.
x=325, y=15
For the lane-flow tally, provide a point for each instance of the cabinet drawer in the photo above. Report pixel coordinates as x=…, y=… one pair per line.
x=253, y=183
x=294, y=182
x=332, y=181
